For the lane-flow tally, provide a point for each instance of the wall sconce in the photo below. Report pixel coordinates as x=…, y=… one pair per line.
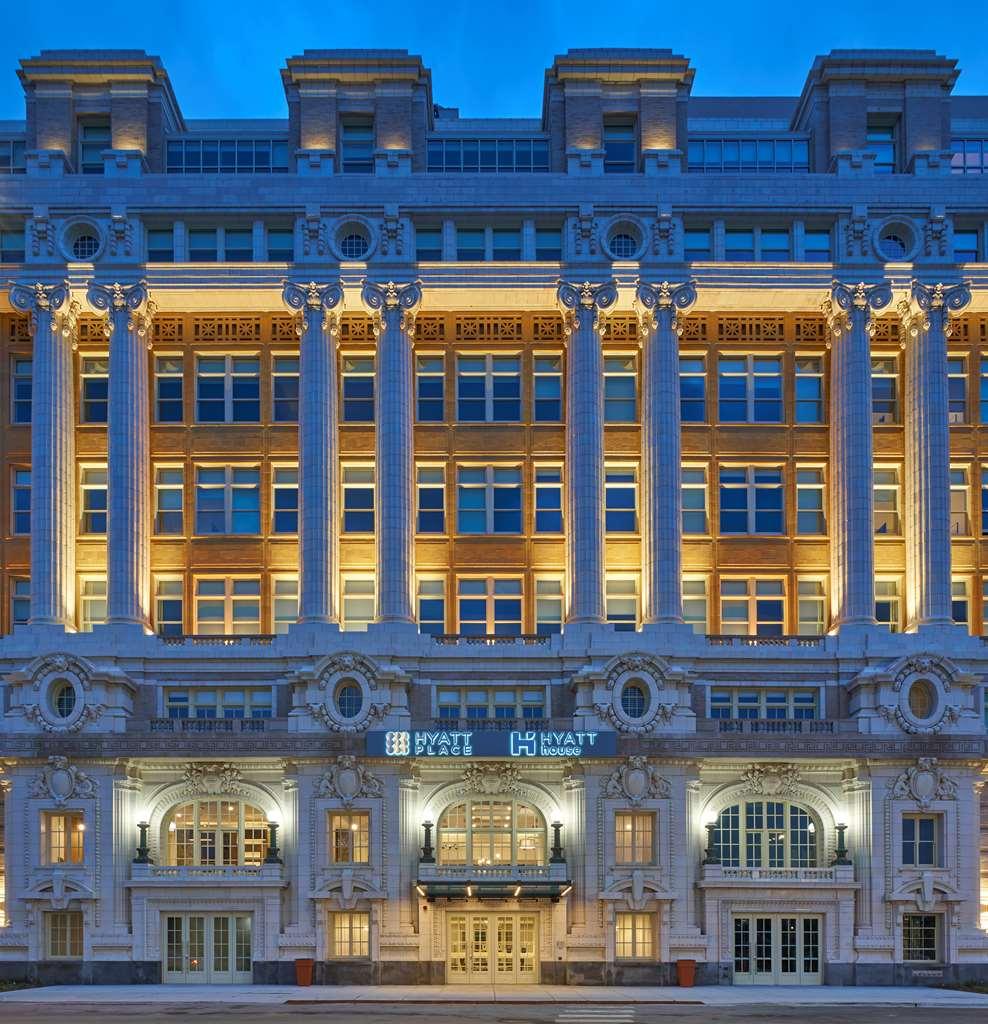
x=711, y=854
x=840, y=854
x=556, y=853
x=272, y=856
x=428, y=853
x=142, y=844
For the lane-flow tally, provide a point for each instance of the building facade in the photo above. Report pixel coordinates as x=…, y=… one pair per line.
x=516, y=551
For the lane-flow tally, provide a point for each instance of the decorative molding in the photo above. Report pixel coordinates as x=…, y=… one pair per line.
x=661, y=714
x=772, y=780
x=205, y=778
x=61, y=781
x=924, y=783
x=491, y=779
x=324, y=714
x=581, y=304
x=116, y=299
x=391, y=301
x=308, y=300
x=637, y=780
x=89, y=713
x=654, y=303
x=346, y=780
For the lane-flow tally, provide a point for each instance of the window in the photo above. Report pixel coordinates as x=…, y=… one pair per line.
x=168, y=500
x=228, y=389
x=284, y=389
x=92, y=603
x=20, y=502
x=488, y=389
x=470, y=245
x=281, y=245
x=766, y=834
x=20, y=390
x=621, y=602
x=12, y=160
x=741, y=703
x=548, y=395
x=695, y=603
x=885, y=390
x=621, y=499
x=284, y=603
x=168, y=607
x=696, y=244
x=921, y=937
x=359, y=603
x=238, y=245
x=810, y=518
x=488, y=155
x=965, y=246
x=62, y=835
x=228, y=500
x=887, y=611
x=548, y=499
x=960, y=604
x=811, y=607
x=956, y=390
x=228, y=606
x=431, y=599
x=692, y=389
x=202, y=245
x=739, y=244
x=775, y=246
x=92, y=483
x=349, y=837
x=881, y=140
x=507, y=244
x=431, y=499
x=620, y=147
x=491, y=832
x=919, y=841
x=215, y=831
x=95, y=389
x=746, y=154
x=20, y=600
x=358, y=499
x=548, y=244
x=634, y=837
x=694, y=499
x=358, y=389
x=809, y=389
x=960, y=521
x=11, y=242
x=351, y=934
x=620, y=389
x=488, y=499
x=752, y=607
x=428, y=245
x=490, y=704
x=750, y=500
x=284, y=483
x=548, y=605
x=227, y=156
x=887, y=503
x=634, y=936
x=357, y=145
x=168, y=389
x=211, y=702
x=430, y=382
x=750, y=389
x=94, y=137
x=817, y=246
x=489, y=606
x=64, y=934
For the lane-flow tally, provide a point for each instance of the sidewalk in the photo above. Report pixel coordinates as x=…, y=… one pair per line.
x=710, y=995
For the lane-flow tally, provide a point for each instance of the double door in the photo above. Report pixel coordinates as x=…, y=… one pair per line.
x=777, y=949
x=207, y=949
x=499, y=949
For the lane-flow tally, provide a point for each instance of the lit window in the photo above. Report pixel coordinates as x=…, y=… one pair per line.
x=168, y=500
x=695, y=603
x=957, y=389
x=548, y=499
x=65, y=931
x=489, y=833
x=752, y=607
x=488, y=499
x=284, y=482
x=548, y=605
x=168, y=389
x=548, y=389
x=692, y=389
x=284, y=603
x=92, y=603
x=766, y=834
x=810, y=517
x=20, y=502
x=358, y=499
x=887, y=605
x=168, y=606
x=92, y=483
x=95, y=377
x=228, y=500
x=489, y=606
x=351, y=934
x=222, y=832
x=284, y=389
x=228, y=389
x=921, y=938
x=21, y=373
x=960, y=604
x=20, y=600
x=62, y=837
x=750, y=389
x=488, y=389
x=621, y=602
x=431, y=600
x=750, y=500
x=228, y=606
x=359, y=603
x=809, y=389
x=430, y=380
x=349, y=837
x=887, y=502
x=634, y=936
x=431, y=499
x=960, y=521
x=884, y=390
x=634, y=837
x=357, y=145
x=621, y=499
x=812, y=607
x=694, y=499
x=358, y=389
x=620, y=389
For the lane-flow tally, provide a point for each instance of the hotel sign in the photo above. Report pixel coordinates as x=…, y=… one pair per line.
x=462, y=743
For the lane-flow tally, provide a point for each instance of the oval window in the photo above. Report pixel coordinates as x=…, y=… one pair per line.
x=922, y=699
x=634, y=700
x=63, y=699
x=349, y=700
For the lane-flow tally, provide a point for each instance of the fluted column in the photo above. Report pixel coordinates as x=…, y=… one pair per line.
x=129, y=311
x=393, y=309
x=662, y=533
x=926, y=327
x=53, y=503
x=318, y=308
x=851, y=527
x=581, y=306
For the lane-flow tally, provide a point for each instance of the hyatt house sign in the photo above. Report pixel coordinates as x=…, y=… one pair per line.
x=461, y=743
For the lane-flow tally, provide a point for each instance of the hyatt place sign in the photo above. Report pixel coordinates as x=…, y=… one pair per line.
x=460, y=743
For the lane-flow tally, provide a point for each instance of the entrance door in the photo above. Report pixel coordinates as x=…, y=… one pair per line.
x=777, y=949
x=207, y=949
x=493, y=948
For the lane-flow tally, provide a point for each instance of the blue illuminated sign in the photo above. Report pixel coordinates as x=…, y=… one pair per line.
x=460, y=743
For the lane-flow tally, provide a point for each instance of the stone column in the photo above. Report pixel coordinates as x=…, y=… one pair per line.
x=662, y=533
x=393, y=309
x=851, y=527
x=318, y=308
x=581, y=306
x=129, y=311
x=925, y=328
x=53, y=490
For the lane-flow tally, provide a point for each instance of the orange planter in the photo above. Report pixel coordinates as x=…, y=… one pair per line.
x=686, y=973
x=303, y=972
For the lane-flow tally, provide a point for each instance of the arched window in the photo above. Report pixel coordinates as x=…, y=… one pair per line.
x=222, y=832
x=491, y=832
x=766, y=834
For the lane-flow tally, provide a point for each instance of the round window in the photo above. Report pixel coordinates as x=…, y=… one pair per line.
x=922, y=699
x=622, y=245
x=634, y=700
x=895, y=243
x=349, y=700
x=63, y=699
x=85, y=247
x=354, y=245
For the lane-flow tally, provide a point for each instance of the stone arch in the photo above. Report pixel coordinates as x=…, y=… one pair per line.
x=449, y=793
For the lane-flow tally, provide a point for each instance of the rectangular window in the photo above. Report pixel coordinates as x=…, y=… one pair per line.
x=238, y=245
x=881, y=140
x=620, y=146
x=284, y=603
x=488, y=389
x=695, y=603
x=169, y=618
x=812, y=607
x=750, y=389
x=548, y=389
x=752, y=607
x=351, y=934
x=965, y=246
x=507, y=245
x=168, y=389
x=809, y=389
x=470, y=245
x=92, y=603
x=228, y=606
x=20, y=502
x=284, y=389
x=228, y=389
x=284, y=512
x=775, y=246
x=357, y=145
x=548, y=245
x=430, y=384
x=621, y=499
x=359, y=602
x=228, y=500
x=692, y=389
x=621, y=601
x=696, y=244
x=349, y=837
x=921, y=938
x=634, y=837
x=750, y=500
x=95, y=378
x=62, y=835
x=11, y=242
x=64, y=934
x=281, y=245
x=92, y=483
x=741, y=703
x=218, y=702
x=202, y=245
x=957, y=389
x=810, y=517
x=358, y=389
x=960, y=604
x=885, y=390
x=620, y=389
x=960, y=520
x=548, y=605
x=887, y=605
x=431, y=499
x=887, y=502
x=21, y=374
x=169, y=500
x=20, y=600
x=817, y=246
x=432, y=606
x=488, y=499
x=489, y=606
x=739, y=244
x=358, y=499
x=694, y=499
x=428, y=245
x=548, y=499
x=94, y=137
x=634, y=936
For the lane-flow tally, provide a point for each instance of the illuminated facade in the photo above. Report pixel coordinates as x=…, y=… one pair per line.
x=517, y=551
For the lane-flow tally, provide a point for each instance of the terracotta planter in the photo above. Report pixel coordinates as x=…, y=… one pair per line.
x=303, y=972
x=685, y=973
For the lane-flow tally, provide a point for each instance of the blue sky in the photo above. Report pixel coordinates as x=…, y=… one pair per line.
x=488, y=60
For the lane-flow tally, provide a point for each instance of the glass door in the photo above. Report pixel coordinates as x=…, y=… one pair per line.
x=207, y=949
x=528, y=949
x=492, y=948
x=775, y=949
x=480, y=948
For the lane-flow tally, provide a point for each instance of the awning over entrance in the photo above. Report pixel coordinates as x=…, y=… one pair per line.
x=500, y=890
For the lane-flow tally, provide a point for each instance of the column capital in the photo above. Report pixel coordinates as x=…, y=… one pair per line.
x=311, y=298
x=849, y=303
x=386, y=302
x=652, y=300
x=578, y=301
x=932, y=305
x=118, y=299
x=54, y=300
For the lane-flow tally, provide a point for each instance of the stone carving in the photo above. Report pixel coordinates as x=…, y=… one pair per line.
x=892, y=714
x=664, y=233
x=636, y=780
x=322, y=712
x=61, y=781
x=577, y=302
x=133, y=299
x=392, y=233
x=315, y=234
x=42, y=233
x=491, y=779
x=204, y=778
x=585, y=232
x=90, y=713
x=653, y=302
x=346, y=780
x=121, y=235
x=306, y=300
x=392, y=298
x=924, y=783
x=661, y=714
x=772, y=780
x=858, y=233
